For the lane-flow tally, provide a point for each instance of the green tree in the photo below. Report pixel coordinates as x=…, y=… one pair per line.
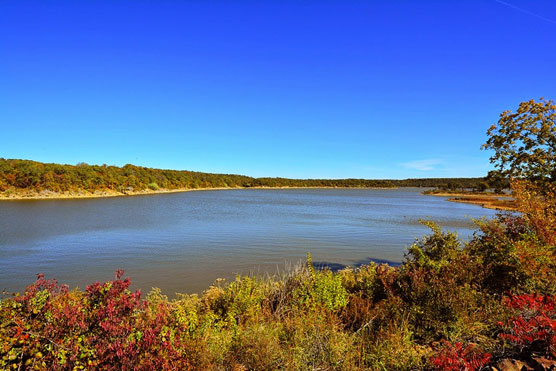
x=482, y=186
x=524, y=143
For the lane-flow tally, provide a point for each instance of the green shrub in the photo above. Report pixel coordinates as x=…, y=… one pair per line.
x=395, y=348
x=321, y=289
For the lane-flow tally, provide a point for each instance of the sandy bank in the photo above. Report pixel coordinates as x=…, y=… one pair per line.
x=45, y=195
x=488, y=201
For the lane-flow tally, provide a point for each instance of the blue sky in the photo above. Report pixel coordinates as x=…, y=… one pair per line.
x=327, y=89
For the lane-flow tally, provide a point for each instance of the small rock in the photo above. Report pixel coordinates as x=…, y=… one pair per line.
x=543, y=364
x=512, y=365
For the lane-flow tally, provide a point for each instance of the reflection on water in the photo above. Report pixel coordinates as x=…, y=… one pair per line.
x=182, y=242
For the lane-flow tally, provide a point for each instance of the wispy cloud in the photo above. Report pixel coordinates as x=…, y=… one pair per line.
x=422, y=165
x=526, y=11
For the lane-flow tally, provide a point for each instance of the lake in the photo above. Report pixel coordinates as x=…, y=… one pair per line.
x=182, y=242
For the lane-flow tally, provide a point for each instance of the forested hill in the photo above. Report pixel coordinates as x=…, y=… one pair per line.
x=32, y=176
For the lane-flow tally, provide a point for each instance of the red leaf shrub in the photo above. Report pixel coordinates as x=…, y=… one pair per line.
x=106, y=327
x=456, y=357
x=533, y=327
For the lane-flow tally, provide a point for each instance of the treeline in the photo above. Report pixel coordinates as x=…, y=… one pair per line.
x=449, y=183
x=351, y=183
x=37, y=176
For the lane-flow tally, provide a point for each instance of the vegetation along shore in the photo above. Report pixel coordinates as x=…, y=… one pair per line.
x=25, y=179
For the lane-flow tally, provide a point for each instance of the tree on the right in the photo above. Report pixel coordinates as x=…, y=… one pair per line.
x=524, y=143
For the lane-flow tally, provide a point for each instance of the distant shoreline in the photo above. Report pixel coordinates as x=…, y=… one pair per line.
x=49, y=195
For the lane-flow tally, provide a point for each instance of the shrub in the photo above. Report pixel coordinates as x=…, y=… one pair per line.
x=258, y=347
x=532, y=328
x=456, y=357
x=395, y=348
x=317, y=289
x=538, y=207
x=438, y=284
x=153, y=186
x=361, y=280
x=316, y=340
x=106, y=327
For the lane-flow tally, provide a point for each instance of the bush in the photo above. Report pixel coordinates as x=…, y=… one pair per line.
x=532, y=328
x=395, y=348
x=518, y=252
x=456, y=357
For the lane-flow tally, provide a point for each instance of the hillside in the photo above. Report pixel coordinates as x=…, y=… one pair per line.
x=27, y=177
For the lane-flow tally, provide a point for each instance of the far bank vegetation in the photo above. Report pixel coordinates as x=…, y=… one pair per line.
x=27, y=177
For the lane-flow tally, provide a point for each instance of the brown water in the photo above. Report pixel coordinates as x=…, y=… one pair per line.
x=182, y=242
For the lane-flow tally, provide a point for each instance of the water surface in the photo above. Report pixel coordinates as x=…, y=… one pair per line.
x=182, y=242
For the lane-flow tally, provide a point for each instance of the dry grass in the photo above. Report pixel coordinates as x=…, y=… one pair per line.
x=488, y=202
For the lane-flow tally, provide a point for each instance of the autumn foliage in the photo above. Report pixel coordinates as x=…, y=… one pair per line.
x=106, y=327
x=532, y=327
x=456, y=357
